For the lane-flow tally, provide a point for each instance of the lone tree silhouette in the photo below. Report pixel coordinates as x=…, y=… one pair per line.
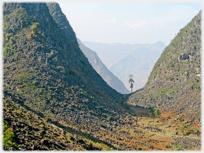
x=131, y=81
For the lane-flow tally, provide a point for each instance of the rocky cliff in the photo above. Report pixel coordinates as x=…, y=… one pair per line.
x=44, y=70
x=174, y=84
x=99, y=67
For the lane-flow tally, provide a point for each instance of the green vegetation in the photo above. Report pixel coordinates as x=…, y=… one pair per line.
x=31, y=35
x=32, y=85
x=93, y=142
x=24, y=76
x=8, y=36
x=6, y=49
x=82, y=91
x=177, y=148
x=156, y=112
x=153, y=111
x=199, y=89
x=162, y=92
x=8, y=137
x=187, y=127
x=49, y=116
x=34, y=27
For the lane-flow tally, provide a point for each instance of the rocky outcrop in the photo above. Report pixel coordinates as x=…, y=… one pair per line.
x=32, y=132
x=184, y=56
x=188, y=143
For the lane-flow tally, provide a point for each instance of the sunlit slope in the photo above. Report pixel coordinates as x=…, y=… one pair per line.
x=46, y=71
x=174, y=84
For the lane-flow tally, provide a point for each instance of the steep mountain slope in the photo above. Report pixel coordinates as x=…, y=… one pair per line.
x=125, y=59
x=102, y=70
x=61, y=20
x=29, y=131
x=175, y=81
x=45, y=71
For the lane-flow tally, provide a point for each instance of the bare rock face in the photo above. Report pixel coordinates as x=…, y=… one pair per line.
x=184, y=56
x=174, y=84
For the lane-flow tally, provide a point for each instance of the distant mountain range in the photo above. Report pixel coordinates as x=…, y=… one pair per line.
x=125, y=59
x=102, y=70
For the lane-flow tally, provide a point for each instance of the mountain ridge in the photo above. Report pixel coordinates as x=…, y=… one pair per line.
x=97, y=64
x=174, y=83
x=46, y=70
x=112, y=54
x=158, y=42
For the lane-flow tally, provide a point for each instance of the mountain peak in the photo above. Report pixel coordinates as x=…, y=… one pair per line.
x=159, y=44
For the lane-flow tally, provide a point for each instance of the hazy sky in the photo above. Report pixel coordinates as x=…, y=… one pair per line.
x=128, y=22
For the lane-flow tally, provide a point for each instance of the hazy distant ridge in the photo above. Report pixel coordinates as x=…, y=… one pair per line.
x=102, y=70
x=125, y=59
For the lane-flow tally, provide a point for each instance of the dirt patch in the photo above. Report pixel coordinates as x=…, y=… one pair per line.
x=162, y=138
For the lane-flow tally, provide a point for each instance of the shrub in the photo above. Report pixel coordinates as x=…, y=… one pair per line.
x=8, y=137
x=31, y=35
x=156, y=112
x=179, y=148
x=24, y=89
x=34, y=28
x=153, y=111
x=8, y=36
x=199, y=89
x=6, y=49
